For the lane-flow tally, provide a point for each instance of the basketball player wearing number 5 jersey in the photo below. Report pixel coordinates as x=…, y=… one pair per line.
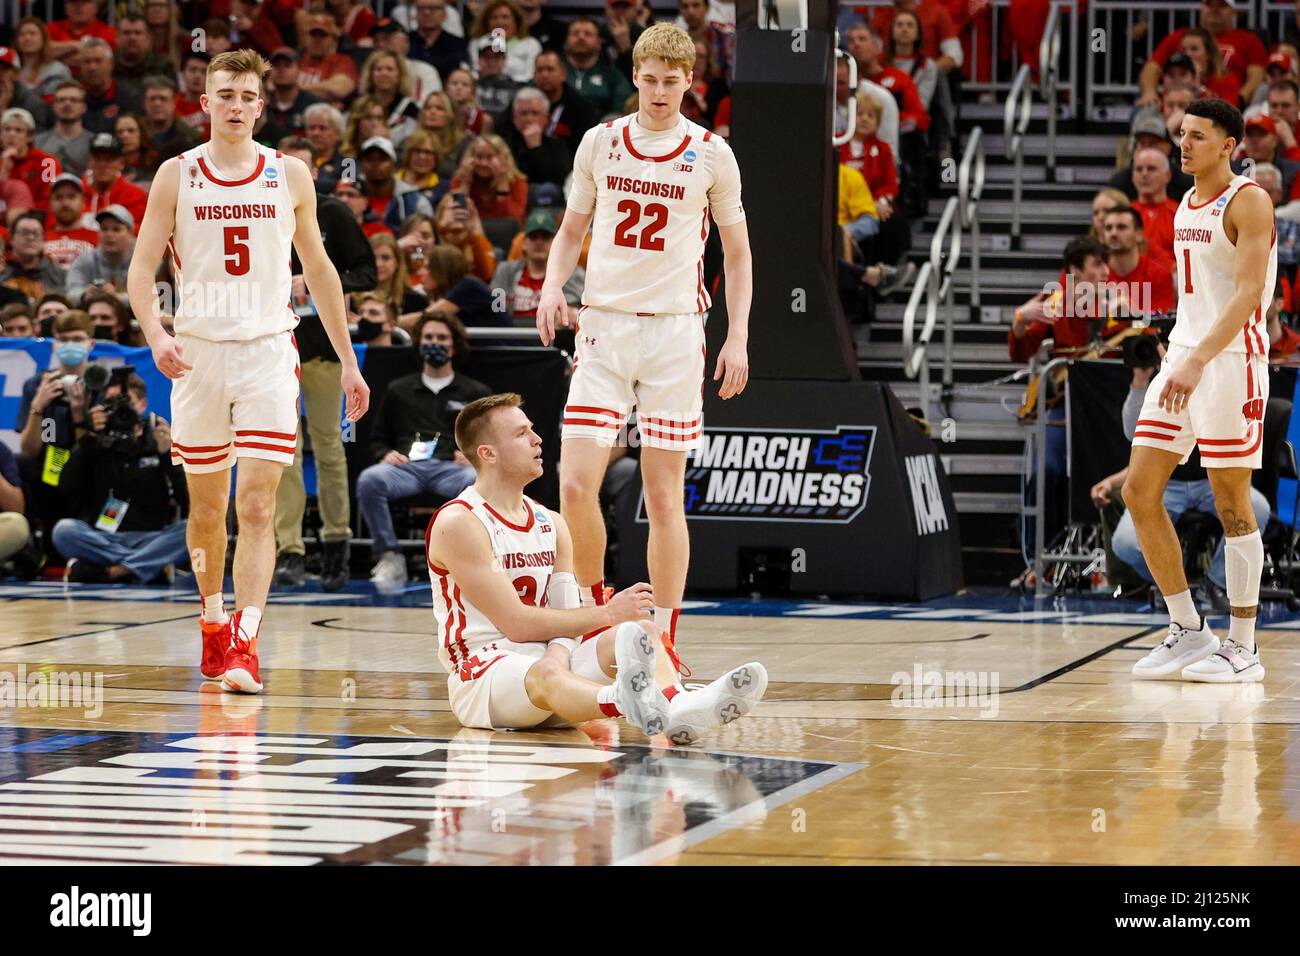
x=647, y=184
x=227, y=213
x=1210, y=393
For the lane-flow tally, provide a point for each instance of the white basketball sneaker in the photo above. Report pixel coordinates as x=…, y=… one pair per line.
x=694, y=713
x=1230, y=664
x=1181, y=648
x=635, y=694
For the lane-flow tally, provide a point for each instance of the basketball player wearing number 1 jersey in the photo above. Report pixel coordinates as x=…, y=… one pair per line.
x=227, y=213
x=647, y=185
x=1210, y=393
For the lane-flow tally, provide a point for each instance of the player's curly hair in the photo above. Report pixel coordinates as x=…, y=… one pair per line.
x=666, y=42
x=1222, y=114
x=239, y=63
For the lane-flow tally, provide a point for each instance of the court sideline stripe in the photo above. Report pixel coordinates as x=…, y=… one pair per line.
x=111, y=626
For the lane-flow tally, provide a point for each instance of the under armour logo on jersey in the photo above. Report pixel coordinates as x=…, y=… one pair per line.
x=614, y=156
x=589, y=340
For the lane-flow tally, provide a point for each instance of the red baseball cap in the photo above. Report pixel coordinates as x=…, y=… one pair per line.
x=1280, y=59
x=1262, y=121
x=10, y=56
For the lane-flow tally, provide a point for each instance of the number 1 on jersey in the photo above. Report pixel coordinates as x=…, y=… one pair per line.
x=1187, y=270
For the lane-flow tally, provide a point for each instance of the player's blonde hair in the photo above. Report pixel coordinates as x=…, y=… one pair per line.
x=666, y=42
x=472, y=422
x=239, y=63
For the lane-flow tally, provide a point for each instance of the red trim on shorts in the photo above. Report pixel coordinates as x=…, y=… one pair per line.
x=592, y=422
x=627, y=141
x=609, y=710
x=200, y=447
x=265, y=447
x=287, y=436
x=1259, y=438
x=1155, y=424
x=200, y=461
x=592, y=409
x=671, y=424
x=1153, y=435
x=667, y=437
x=257, y=171
x=510, y=524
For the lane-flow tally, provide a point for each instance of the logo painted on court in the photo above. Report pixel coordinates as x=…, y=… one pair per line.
x=779, y=474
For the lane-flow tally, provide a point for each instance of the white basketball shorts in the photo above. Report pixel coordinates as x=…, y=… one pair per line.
x=240, y=400
x=652, y=363
x=1224, y=416
x=496, y=699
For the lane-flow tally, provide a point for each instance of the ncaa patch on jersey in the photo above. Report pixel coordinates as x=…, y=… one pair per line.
x=689, y=155
x=270, y=172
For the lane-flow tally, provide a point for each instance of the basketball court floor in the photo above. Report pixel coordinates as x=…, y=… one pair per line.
x=977, y=729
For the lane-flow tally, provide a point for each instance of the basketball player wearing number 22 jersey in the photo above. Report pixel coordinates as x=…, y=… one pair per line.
x=227, y=214
x=1210, y=392
x=647, y=185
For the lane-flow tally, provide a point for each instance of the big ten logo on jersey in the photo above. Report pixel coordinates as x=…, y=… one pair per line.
x=271, y=181
x=687, y=162
x=544, y=521
x=1218, y=206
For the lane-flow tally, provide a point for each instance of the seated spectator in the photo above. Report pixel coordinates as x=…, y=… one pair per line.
x=139, y=157
x=1263, y=146
x=937, y=32
x=540, y=156
x=495, y=88
x=322, y=69
x=1150, y=133
x=377, y=321
x=50, y=307
x=194, y=83
x=391, y=36
x=1049, y=314
x=694, y=19
x=415, y=240
x=134, y=59
x=857, y=212
x=16, y=322
x=913, y=121
x=217, y=32
x=267, y=133
x=459, y=225
x=621, y=28
x=14, y=95
x=1282, y=103
x=453, y=291
x=412, y=439
x=104, y=97
x=1280, y=67
x=171, y=137
x=518, y=282
x=462, y=90
x=556, y=210
x=503, y=22
x=601, y=83
x=1204, y=53
x=1169, y=110
x=419, y=166
x=41, y=71
x=257, y=30
x=870, y=155
x=1241, y=51
x=104, y=268
x=66, y=237
x=905, y=51
x=125, y=491
x=68, y=140
x=353, y=195
x=887, y=127
x=1151, y=177
x=433, y=44
x=367, y=119
x=386, y=80
x=324, y=130
x=21, y=160
x=570, y=113
x=1103, y=202
x=439, y=118
x=106, y=186
x=286, y=100
x=80, y=23
x=356, y=20
x=15, y=531
x=390, y=198
x=29, y=269
x=1144, y=282
x=1283, y=341
x=112, y=318
x=393, y=283
x=707, y=90
x=488, y=173
x=1288, y=228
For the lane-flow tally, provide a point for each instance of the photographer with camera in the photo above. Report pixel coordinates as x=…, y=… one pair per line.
x=125, y=492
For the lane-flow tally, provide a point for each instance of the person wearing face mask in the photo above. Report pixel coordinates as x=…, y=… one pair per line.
x=377, y=322
x=413, y=440
x=124, y=494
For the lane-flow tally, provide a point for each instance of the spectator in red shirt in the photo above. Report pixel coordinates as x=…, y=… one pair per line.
x=105, y=186
x=1199, y=45
x=356, y=20
x=939, y=35
x=256, y=28
x=323, y=70
x=1284, y=107
x=1241, y=51
x=1151, y=175
x=864, y=46
x=352, y=193
x=1045, y=315
x=22, y=161
x=66, y=236
x=66, y=34
x=1146, y=284
x=489, y=174
x=194, y=83
x=871, y=156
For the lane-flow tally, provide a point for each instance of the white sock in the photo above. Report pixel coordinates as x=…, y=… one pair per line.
x=250, y=622
x=1241, y=630
x=213, y=610
x=588, y=593
x=1182, y=610
x=605, y=699
x=665, y=620
x=1243, y=563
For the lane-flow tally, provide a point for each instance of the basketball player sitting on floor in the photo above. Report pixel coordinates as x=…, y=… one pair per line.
x=507, y=607
x=1210, y=392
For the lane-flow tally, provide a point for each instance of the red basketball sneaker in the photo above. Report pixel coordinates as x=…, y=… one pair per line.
x=216, y=640
x=241, y=661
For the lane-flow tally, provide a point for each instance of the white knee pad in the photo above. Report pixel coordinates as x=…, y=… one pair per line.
x=1243, y=563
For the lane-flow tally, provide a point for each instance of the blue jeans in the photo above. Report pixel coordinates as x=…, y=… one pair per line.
x=381, y=484
x=1181, y=497
x=143, y=553
x=864, y=227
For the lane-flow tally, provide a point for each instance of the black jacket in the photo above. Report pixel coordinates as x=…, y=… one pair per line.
x=409, y=408
x=350, y=251
x=549, y=162
x=143, y=476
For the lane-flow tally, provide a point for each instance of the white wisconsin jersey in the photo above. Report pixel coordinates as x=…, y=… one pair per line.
x=468, y=642
x=231, y=249
x=1207, y=261
x=652, y=193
